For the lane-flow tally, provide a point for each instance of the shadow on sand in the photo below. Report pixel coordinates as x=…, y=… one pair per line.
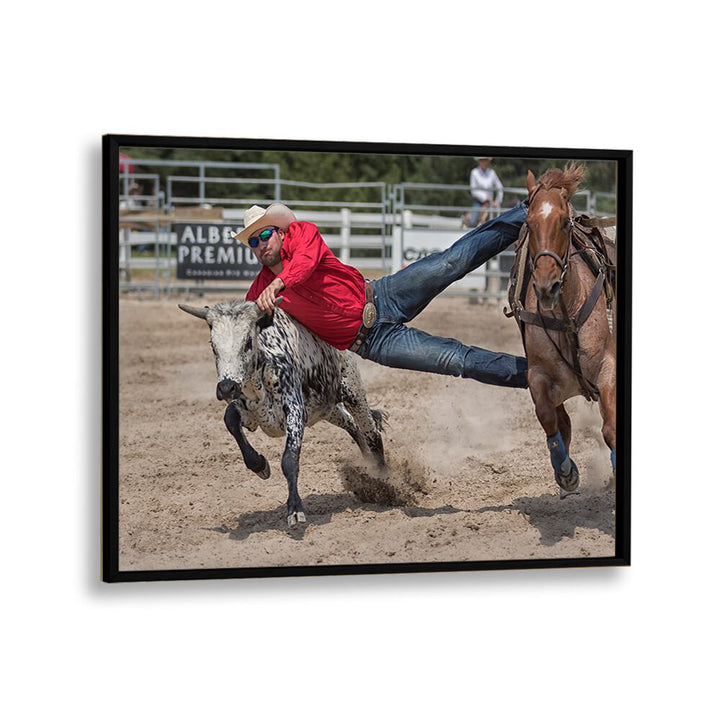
x=319, y=510
x=552, y=517
x=555, y=518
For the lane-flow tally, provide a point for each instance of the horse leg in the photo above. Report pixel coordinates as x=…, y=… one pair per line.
x=568, y=485
x=606, y=386
x=556, y=423
x=565, y=426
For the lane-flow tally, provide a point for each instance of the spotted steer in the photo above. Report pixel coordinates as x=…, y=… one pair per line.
x=275, y=374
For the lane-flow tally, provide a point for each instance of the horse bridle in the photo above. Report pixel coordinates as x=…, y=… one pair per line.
x=562, y=262
x=571, y=325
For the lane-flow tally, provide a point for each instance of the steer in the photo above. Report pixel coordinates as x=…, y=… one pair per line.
x=275, y=374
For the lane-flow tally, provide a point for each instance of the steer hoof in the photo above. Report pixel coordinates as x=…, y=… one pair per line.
x=568, y=483
x=264, y=471
x=295, y=518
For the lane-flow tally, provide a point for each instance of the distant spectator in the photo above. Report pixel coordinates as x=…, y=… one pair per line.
x=483, y=181
x=134, y=202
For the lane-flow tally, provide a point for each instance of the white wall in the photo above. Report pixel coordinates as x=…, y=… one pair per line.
x=571, y=643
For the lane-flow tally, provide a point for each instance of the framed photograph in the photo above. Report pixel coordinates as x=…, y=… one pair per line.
x=351, y=358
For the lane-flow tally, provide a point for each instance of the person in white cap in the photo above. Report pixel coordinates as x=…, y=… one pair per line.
x=483, y=181
x=335, y=302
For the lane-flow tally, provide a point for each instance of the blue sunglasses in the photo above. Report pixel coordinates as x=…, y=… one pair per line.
x=265, y=235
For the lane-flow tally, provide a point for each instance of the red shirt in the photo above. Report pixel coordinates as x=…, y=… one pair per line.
x=322, y=293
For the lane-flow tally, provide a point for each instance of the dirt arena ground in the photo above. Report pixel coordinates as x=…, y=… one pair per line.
x=470, y=474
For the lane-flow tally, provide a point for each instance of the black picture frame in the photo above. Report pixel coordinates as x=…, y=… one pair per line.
x=111, y=146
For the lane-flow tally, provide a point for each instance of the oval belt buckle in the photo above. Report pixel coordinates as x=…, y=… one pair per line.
x=369, y=315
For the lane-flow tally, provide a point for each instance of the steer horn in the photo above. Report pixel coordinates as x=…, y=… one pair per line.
x=276, y=302
x=197, y=312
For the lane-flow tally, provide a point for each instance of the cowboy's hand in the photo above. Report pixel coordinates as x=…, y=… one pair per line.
x=266, y=300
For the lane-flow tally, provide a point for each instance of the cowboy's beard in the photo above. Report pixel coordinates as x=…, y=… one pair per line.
x=270, y=258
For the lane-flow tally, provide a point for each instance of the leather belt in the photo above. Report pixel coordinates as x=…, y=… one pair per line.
x=369, y=317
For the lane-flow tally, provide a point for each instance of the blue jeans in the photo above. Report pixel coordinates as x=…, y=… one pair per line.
x=403, y=295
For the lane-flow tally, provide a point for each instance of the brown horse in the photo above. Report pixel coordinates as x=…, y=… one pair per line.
x=568, y=341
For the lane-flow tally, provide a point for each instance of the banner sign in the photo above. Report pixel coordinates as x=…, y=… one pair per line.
x=207, y=251
x=413, y=244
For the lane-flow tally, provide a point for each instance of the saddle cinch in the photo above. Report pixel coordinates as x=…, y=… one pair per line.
x=590, y=242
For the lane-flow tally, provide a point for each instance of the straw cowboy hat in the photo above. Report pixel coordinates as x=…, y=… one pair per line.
x=482, y=157
x=256, y=217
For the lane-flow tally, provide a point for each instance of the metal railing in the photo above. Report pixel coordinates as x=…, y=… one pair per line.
x=374, y=226
x=442, y=224
x=362, y=223
x=357, y=229
x=202, y=167
x=130, y=200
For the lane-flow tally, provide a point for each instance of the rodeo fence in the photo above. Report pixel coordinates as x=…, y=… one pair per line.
x=376, y=227
x=201, y=167
x=427, y=228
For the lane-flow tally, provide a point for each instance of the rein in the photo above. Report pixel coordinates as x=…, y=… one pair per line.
x=571, y=328
x=567, y=324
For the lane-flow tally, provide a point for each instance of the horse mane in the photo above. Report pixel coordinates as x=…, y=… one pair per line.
x=568, y=179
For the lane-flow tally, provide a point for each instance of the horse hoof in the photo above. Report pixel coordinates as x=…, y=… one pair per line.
x=569, y=483
x=295, y=518
x=264, y=472
x=565, y=493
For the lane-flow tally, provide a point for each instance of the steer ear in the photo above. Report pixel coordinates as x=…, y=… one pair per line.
x=263, y=319
x=197, y=312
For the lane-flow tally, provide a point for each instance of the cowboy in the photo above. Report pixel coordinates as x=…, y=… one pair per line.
x=483, y=180
x=368, y=317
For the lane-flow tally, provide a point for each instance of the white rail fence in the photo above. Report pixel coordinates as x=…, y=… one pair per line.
x=377, y=237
